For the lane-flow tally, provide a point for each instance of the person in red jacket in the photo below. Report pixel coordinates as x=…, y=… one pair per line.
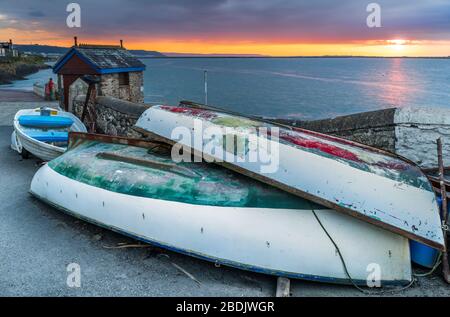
x=50, y=90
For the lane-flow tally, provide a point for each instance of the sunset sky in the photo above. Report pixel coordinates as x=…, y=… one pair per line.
x=267, y=27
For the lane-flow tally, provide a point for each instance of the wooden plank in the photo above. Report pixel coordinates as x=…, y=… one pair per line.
x=435, y=169
x=152, y=143
x=444, y=212
x=173, y=168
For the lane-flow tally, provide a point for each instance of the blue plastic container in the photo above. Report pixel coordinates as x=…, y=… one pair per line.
x=422, y=254
x=49, y=136
x=45, y=121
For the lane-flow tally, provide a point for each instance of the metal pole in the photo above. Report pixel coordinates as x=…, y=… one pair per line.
x=444, y=212
x=206, y=86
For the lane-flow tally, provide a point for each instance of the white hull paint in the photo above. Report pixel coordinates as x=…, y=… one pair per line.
x=42, y=150
x=391, y=204
x=272, y=241
x=15, y=144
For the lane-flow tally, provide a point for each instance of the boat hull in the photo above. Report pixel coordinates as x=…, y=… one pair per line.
x=42, y=150
x=280, y=242
x=381, y=189
x=15, y=144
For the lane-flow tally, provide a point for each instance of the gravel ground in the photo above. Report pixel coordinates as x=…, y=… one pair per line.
x=37, y=243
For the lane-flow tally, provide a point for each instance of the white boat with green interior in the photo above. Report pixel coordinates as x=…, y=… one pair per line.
x=203, y=210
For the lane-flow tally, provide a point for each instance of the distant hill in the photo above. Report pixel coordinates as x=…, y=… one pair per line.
x=47, y=49
x=211, y=55
x=143, y=53
x=38, y=49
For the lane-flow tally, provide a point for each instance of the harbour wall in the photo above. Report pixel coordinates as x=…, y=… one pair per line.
x=375, y=128
x=409, y=132
x=112, y=116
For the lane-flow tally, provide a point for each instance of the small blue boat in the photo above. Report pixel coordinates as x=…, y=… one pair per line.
x=50, y=136
x=45, y=122
x=43, y=132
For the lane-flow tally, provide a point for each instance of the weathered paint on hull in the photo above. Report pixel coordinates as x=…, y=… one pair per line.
x=281, y=242
x=139, y=171
x=381, y=189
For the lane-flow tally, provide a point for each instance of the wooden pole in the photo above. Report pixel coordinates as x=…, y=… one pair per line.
x=444, y=212
x=206, y=86
x=86, y=102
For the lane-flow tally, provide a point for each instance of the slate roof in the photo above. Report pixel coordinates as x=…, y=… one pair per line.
x=104, y=59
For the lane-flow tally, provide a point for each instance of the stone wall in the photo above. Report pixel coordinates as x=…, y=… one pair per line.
x=78, y=88
x=39, y=89
x=109, y=86
x=375, y=128
x=113, y=116
x=137, y=87
x=409, y=132
x=416, y=132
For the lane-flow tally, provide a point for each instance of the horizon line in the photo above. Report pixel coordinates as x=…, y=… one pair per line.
x=249, y=55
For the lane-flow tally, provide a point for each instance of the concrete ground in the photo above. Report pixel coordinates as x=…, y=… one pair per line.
x=12, y=95
x=37, y=243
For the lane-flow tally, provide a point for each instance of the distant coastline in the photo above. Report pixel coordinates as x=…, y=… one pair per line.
x=48, y=50
x=19, y=67
x=311, y=57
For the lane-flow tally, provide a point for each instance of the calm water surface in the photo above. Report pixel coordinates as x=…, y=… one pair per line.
x=304, y=88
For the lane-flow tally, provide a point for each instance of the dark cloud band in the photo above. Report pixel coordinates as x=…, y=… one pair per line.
x=256, y=20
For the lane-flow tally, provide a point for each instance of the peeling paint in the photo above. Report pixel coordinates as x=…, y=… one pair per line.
x=205, y=184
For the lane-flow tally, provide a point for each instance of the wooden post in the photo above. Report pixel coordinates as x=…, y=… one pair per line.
x=444, y=212
x=86, y=102
x=283, y=287
x=206, y=86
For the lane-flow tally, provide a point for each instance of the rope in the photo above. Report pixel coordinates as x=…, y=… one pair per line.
x=436, y=265
x=345, y=265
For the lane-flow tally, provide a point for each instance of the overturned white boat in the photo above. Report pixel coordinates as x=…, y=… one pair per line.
x=369, y=184
x=206, y=211
x=43, y=132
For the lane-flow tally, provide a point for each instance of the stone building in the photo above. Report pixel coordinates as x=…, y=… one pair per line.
x=121, y=74
x=7, y=49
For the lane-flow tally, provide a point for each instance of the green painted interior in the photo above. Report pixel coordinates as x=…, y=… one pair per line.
x=212, y=185
x=235, y=122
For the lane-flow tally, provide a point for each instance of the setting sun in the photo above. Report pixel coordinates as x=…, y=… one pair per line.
x=397, y=42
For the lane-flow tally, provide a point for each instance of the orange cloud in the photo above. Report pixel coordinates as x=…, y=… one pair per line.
x=382, y=47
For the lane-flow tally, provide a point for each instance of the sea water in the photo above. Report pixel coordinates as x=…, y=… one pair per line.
x=296, y=88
